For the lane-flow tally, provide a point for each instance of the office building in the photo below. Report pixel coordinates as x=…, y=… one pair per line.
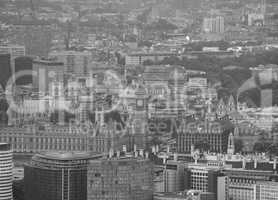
x=15, y=51
x=6, y=71
x=185, y=195
x=47, y=70
x=23, y=63
x=266, y=190
x=122, y=178
x=255, y=19
x=75, y=62
x=174, y=176
x=180, y=176
x=6, y=172
x=214, y=24
x=200, y=83
x=139, y=58
x=242, y=182
x=206, y=178
x=56, y=176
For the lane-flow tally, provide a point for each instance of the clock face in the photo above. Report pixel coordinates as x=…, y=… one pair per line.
x=140, y=103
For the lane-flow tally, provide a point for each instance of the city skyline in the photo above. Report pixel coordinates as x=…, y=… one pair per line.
x=138, y=99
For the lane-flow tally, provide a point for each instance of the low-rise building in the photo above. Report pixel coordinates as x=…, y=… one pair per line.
x=120, y=178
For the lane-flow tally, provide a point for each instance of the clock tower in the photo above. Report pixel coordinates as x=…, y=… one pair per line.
x=139, y=130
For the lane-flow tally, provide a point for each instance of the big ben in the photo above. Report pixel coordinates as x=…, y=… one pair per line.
x=139, y=130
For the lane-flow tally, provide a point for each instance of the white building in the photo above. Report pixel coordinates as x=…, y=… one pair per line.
x=6, y=172
x=214, y=24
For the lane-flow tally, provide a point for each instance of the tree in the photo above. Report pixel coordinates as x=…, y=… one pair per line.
x=261, y=147
x=273, y=149
x=148, y=62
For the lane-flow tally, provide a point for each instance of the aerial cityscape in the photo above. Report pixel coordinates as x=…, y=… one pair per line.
x=138, y=99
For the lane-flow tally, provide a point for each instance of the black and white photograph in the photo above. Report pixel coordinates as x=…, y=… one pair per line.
x=138, y=99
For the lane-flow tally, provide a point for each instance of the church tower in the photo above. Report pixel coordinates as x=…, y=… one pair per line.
x=231, y=105
x=231, y=144
x=236, y=131
x=221, y=109
x=140, y=119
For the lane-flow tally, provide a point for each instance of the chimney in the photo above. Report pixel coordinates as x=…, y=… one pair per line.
x=153, y=150
x=164, y=160
x=124, y=149
x=156, y=148
x=274, y=164
x=255, y=163
x=175, y=157
x=111, y=153
x=118, y=154
x=141, y=152
x=192, y=149
x=168, y=149
x=147, y=155
x=243, y=163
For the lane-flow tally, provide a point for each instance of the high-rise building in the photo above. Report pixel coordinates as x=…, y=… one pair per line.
x=139, y=123
x=57, y=176
x=207, y=178
x=180, y=176
x=74, y=61
x=6, y=71
x=23, y=63
x=120, y=178
x=47, y=70
x=6, y=172
x=214, y=24
x=15, y=51
x=173, y=176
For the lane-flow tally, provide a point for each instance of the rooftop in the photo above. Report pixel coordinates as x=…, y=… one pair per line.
x=66, y=155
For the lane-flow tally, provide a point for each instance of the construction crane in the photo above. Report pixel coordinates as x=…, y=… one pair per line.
x=33, y=10
x=68, y=34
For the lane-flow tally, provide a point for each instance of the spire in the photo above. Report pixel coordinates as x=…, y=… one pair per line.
x=231, y=144
x=231, y=104
x=221, y=109
x=236, y=132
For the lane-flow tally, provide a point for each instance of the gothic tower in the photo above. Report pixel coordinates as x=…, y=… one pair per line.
x=231, y=144
x=221, y=109
x=139, y=119
x=231, y=105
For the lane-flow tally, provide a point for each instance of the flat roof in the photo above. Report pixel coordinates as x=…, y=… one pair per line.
x=67, y=155
x=48, y=62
